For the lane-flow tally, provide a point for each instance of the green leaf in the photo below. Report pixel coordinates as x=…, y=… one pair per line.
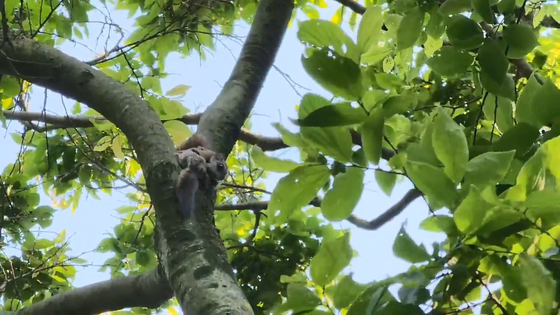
x=519, y=138
x=347, y=291
x=405, y=248
x=413, y=295
x=505, y=89
x=450, y=145
x=179, y=90
x=488, y=168
x=524, y=106
x=448, y=61
x=543, y=204
x=464, y=33
x=521, y=39
x=369, y=30
x=177, y=130
x=342, y=198
x=388, y=81
x=372, y=136
x=504, y=110
x=552, y=159
x=439, y=223
x=332, y=141
x=300, y=299
x=433, y=182
x=410, y=28
x=399, y=104
x=10, y=86
x=470, y=214
x=297, y=189
x=435, y=27
x=375, y=54
x=531, y=177
x=539, y=282
x=342, y=114
x=544, y=104
x=452, y=7
x=323, y=33
x=506, y=6
x=482, y=7
x=492, y=59
x=337, y=74
x=271, y=164
x=333, y=256
x=386, y=181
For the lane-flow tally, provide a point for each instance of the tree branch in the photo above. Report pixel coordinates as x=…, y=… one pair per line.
x=186, y=253
x=245, y=135
x=222, y=121
x=146, y=290
x=374, y=224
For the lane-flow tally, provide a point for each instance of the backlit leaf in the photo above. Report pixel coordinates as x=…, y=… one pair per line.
x=342, y=198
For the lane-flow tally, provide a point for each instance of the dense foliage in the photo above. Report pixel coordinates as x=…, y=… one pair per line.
x=457, y=96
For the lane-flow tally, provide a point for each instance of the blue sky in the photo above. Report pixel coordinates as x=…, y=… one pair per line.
x=276, y=103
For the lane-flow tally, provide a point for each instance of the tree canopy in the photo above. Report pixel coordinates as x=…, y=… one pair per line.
x=456, y=97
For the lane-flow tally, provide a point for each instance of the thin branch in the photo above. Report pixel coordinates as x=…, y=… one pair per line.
x=374, y=224
x=63, y=122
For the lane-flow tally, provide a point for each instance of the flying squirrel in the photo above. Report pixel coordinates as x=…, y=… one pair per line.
x=197, y=163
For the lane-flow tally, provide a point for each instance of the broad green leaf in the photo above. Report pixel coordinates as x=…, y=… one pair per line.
x=505, y=89
x=369, y=30
x=433, y=182
x=503, y=108
x=342, y=198
x=497, y=219
x=450, y=145
x=410, y=28
x=342, y=114
x=323, y=33
x=539, y=282
x=347, y=291
x=531, y=177
x=520, y=138
x=464, y=33
x=297, y=189
x=524, y=106
x=470, y=214
x=272, y=164
x=492, y=59
x=178, y=131
x=544, y=104
x=482, y=7
x=435, y=27
x=448, y=61
x=506, y=6
x=521, y=38
x=332, y=141
x=372, y=136
x=543, y=204
x=10, y=86
x=386, y=181
x=332, y=257
x=413, y=295
x=169, y=109
x=337, y=74
x=399, y=104
x=439, y=223
x=300, y=299
x=552, y=158
x=488, y=168
x=452, y=7
x=388, y=81
x=372, y=300
x=405, y=248
x=179, y=90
